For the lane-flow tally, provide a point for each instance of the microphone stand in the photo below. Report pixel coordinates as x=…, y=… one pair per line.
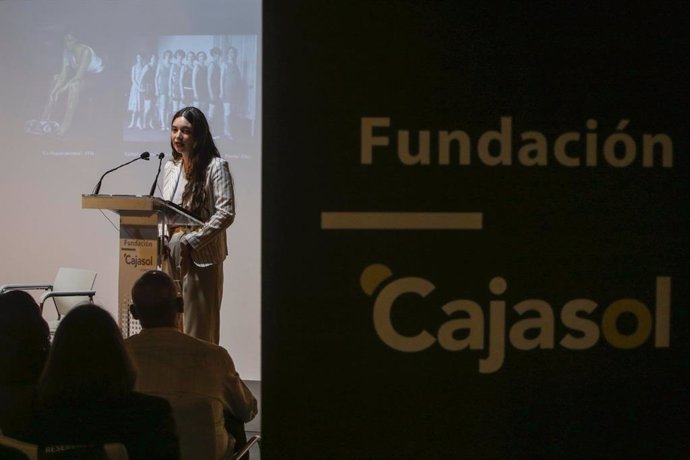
x=143, y=156
x=155, y=181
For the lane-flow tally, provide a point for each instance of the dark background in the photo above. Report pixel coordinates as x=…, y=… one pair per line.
x=331, y=387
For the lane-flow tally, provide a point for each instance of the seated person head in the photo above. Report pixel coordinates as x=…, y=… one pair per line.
x=156, y=303
x=24, y=339
x=88, y=358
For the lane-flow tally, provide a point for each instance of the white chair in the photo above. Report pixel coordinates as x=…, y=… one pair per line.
x=71, y=287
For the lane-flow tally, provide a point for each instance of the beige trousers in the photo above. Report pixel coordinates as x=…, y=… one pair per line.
x=202, y=293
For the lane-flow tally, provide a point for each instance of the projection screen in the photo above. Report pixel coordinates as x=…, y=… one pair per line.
x=58, y=143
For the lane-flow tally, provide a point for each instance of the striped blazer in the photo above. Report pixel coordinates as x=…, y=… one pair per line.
x=209, y=242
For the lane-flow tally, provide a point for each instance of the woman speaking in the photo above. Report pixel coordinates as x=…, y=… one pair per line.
x=199, y=180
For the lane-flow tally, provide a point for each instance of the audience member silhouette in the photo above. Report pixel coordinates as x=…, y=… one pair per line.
x=86, y=397
x=170, y=362
x=24, y=344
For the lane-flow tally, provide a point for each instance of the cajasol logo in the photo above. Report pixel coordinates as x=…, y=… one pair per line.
x=476, y=325
x=138, y=261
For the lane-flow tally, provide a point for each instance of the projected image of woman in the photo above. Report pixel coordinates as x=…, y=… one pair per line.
x=175, y=82
x=78, y=60
x=231, y=88
x=186, y=74
x=163, y=88
x=214, y=87
x=198, y=179
x=148, y=87
x=200, y=81
x=136, y=93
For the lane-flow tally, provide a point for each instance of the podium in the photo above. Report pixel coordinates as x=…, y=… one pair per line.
x=143, y=219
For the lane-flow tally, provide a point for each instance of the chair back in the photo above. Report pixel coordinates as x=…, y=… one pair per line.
x=72, y=279
x=116, y=451
x=110, y=451
x=30, y=451
x=197, y=419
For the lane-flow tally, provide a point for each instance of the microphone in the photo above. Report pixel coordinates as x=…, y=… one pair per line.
x=143, y=156
x=155, y=181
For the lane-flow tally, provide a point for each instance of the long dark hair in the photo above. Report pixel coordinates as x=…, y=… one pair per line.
x=204, y=150
x=24, y=339
x=88, y=358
